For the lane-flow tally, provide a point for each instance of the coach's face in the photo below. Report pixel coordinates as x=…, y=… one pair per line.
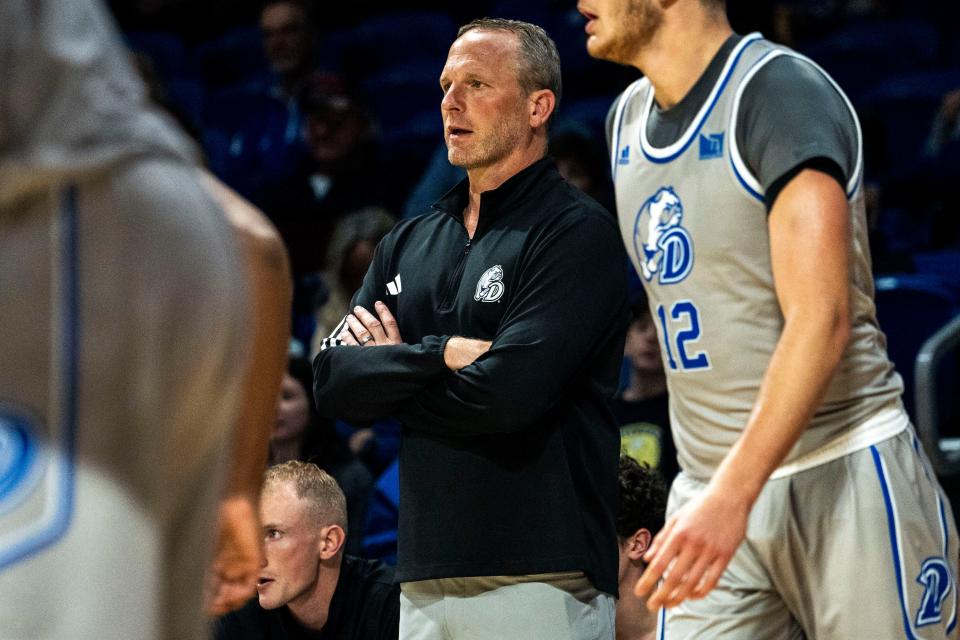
x=292, y=547
x=484, y=108
x=618, y=30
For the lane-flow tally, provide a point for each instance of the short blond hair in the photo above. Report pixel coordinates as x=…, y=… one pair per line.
x=314, y=485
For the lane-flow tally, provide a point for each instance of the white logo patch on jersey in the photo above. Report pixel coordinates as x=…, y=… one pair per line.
x=662, y=246
x=490, y=285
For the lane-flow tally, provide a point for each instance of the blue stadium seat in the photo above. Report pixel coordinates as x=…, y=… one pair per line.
x=399, y=94
x=189, y=97
x=901, y=109
x=235, y=57
x=252, y=139
x=380, y=533
x=589, y=113
x=397, y=38
x=166, y=50
x=910, y=309
x=862, y=55
x=943, y=264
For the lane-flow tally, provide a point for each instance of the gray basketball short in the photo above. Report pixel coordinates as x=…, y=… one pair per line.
x=122, y=339
x=863, y=547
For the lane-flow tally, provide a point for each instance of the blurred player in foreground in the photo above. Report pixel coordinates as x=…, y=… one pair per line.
x=140, y=325
x=738, y=171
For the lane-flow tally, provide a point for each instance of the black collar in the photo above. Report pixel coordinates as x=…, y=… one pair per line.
x=527, y=183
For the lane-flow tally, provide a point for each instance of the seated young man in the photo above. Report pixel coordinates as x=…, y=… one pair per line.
x=308, y=587
x=640, y=513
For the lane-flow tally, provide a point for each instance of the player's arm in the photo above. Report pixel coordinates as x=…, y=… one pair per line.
x=810, y=246
x=239, y=552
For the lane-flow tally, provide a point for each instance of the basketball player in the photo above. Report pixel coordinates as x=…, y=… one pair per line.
x=126, y=343
x=738, y=173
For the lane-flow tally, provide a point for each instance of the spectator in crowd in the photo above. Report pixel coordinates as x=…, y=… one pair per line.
x=349, y=255
x=334, y=180
x=640, y=514
x=945, y=128
x=497, y=349
x=289, y=41
x=438, y=177
x=308, y=587
x=642, y=408
x=301, y=434
x=582, y=161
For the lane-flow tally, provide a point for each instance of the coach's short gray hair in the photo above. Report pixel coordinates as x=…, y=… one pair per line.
x=313, y=484
x=539, y=59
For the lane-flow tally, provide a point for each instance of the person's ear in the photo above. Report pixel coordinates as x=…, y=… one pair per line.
x=332, y=538
x=542, y=104
x=638, y=544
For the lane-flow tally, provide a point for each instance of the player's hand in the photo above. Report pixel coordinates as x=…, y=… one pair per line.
x=232, y=579
x=367, y=330
x=692, y=550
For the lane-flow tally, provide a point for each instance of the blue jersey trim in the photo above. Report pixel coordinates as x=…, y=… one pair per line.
x=69, y=252
x=743, y=183
x=663, y=624
x=624, y=98
x=892, y=528
x=696, y=130
x=945, y=527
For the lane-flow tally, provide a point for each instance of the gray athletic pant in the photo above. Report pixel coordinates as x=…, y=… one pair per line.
x=863, y=547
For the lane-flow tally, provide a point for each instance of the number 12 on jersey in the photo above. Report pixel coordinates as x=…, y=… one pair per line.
x=684, y=320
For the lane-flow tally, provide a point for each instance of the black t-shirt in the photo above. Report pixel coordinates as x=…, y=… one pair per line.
x=645, y=433
x=365, y=606
x=791, y=117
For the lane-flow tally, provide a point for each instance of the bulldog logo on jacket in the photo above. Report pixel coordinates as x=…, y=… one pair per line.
x=490, y=285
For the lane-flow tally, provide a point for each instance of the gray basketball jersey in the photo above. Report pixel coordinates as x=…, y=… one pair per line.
x=694, y=222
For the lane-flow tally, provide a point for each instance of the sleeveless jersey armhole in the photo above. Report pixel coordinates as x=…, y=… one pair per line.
x=745, y=177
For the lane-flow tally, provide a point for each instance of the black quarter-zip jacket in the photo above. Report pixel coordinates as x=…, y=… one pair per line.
x=509, y=465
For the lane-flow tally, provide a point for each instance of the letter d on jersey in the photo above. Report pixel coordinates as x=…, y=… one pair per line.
x=661, y=245
x=18, y=458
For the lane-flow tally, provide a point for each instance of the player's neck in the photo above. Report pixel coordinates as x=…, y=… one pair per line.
x=312, y=609
x=680, y=52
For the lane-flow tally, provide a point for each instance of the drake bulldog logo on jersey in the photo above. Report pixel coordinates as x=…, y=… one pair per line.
x=662, y=246
x=490, y=285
